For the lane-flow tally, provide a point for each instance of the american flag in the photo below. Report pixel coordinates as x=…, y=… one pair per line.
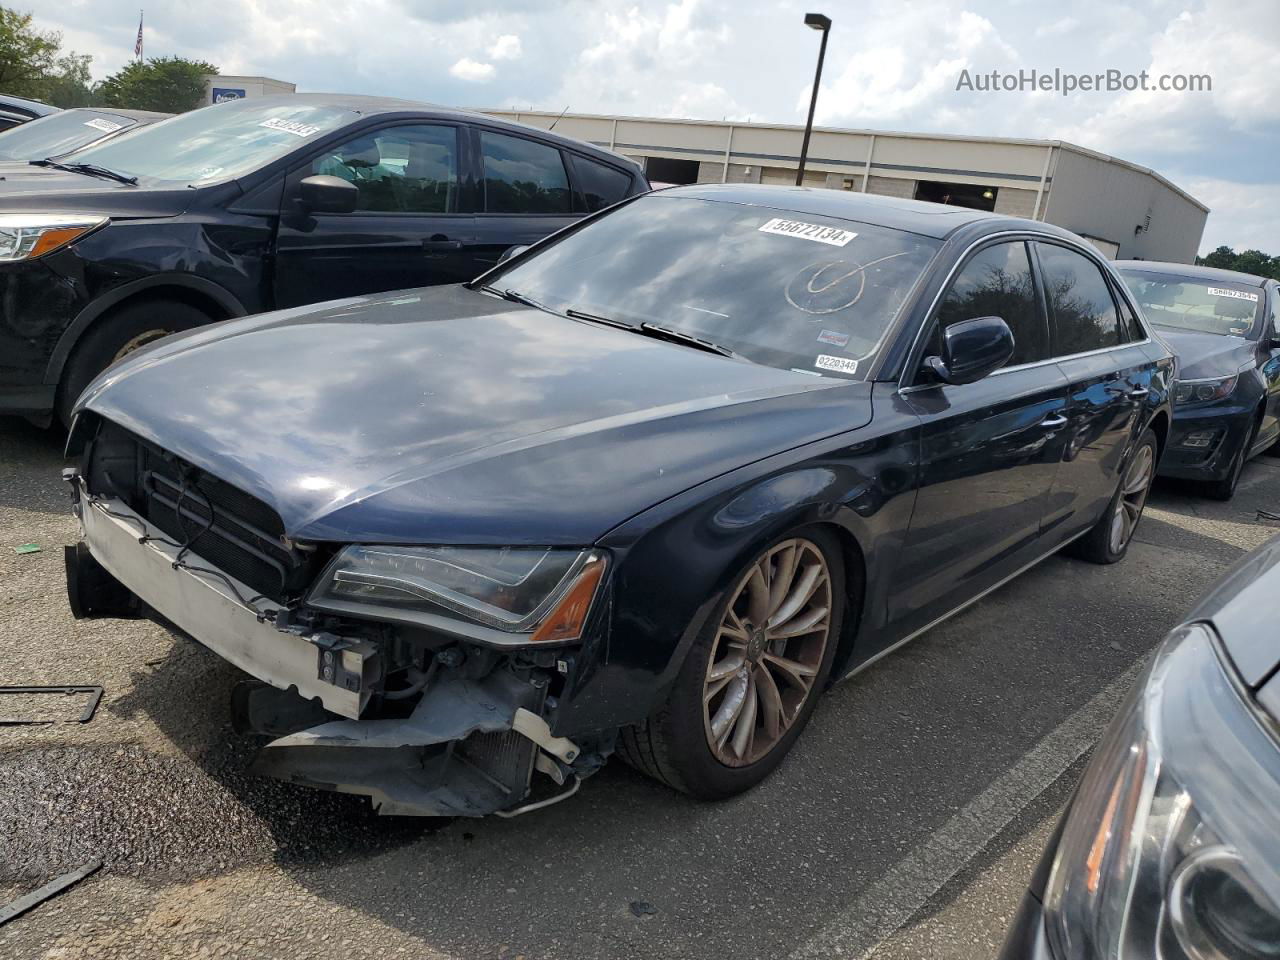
x=137, y=47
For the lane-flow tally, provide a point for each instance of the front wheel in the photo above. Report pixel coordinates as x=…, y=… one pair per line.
x=1108, y=541
x=753, y=676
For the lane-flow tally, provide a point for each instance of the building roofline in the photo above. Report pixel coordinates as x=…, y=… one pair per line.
x=859, y=131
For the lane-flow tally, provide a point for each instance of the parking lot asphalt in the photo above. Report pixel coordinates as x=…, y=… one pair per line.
x=904, y=824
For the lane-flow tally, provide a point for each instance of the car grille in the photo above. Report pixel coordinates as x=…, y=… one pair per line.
x=232, y=531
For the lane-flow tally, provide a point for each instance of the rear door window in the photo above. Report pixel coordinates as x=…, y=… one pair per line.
x=523, y=176
x=600, y=185
x=1081, y=309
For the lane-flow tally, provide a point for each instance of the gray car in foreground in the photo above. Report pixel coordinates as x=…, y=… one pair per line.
x=1171, y=845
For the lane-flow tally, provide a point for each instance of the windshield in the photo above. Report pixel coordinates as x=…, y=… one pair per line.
x=219, y=142
x=792, y=290
x=1227, y=308
x=59, y=133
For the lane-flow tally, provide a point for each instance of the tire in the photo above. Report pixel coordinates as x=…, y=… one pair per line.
x=675, y=744
x=1101, y=544
x=114, y=335
x=1225, y=488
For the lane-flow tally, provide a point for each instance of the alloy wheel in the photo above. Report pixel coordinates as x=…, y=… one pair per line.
x=768, y=652
x=1133, y=497
x=141, y=340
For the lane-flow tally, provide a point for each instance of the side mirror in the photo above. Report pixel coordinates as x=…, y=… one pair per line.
x=325, y=194
x=971, y=349
x=510, y=252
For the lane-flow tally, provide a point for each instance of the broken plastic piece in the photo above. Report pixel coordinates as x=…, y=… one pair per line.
x=95, y=697
x=54, y=887
x=27, y=548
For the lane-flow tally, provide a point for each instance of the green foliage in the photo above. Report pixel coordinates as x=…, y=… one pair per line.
x=27, y=56
x=69, y=83
x=1250, y=261
x=169, y=84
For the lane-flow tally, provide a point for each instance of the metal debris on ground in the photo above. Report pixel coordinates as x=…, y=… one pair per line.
x=36, y=897
x=94, y=693
x=27, y=548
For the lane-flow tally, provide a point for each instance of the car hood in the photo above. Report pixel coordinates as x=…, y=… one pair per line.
x=26, y=187
x=1241, y=607
x=445, y=415
x=1202, y=355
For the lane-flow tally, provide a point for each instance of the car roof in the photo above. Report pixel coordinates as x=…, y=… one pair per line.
x=370, y=106
x=914, y=216
x=118, y=112
x=24, y=107
x=1190, y=270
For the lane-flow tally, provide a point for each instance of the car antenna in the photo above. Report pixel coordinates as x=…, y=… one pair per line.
x=559, y=118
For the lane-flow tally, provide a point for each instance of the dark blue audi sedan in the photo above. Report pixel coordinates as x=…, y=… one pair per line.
x=1224, y=328
x=644, y=488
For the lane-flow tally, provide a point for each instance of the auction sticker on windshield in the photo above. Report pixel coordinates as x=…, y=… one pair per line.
x=106, y=126
x=808, y=231
x=838, y=364
x=1234, y=294
x=290, y=126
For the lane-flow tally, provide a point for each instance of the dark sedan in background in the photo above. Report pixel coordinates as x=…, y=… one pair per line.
x=15, y=111
x=262, y=203
x=43, y=140
x=1224, y=328
x=1171, y=846
x=646, y=487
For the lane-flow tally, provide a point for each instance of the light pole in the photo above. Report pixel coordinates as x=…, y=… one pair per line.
x=815, y=21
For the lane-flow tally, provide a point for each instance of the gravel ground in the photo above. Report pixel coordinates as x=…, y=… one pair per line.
x=204, y=858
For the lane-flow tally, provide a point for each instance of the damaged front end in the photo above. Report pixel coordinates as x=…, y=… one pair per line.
x=412, y=675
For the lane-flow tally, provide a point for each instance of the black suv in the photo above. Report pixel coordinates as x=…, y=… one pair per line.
x=259, y=204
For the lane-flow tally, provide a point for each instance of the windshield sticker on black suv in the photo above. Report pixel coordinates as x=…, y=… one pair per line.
x=833, y=338
x=839, y=364
x=1234, y=294
x=106, y=126
x=290, y=126
x=808, y=231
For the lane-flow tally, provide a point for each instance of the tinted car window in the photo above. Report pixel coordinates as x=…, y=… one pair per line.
x=997, y=282
x=1130, y=329
x=405, y=169
x=521, y=176
x=798, y=291
x=601, y=185
x=1080, y=305
x=1223, y=307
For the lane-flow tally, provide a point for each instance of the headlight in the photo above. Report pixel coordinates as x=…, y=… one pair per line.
x=25, y=237
x=544, y=593
x=1202, y=391
x=1170, y=849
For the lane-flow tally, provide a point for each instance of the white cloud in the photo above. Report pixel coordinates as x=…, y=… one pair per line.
x=472, y=71
x=506, y=47
x=1241, y=215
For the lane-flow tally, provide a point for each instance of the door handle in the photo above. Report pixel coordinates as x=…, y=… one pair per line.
x=436, y=244
x=1053, y=423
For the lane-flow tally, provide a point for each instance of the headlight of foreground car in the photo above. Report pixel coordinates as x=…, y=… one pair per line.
x=1202, y=391
x=27, y=236
x=1171, y=848
x=543, y=592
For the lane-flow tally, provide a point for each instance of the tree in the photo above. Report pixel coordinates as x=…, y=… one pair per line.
x=168, y=84
x=1251, y=261
x=27, y=55
x=69, y=83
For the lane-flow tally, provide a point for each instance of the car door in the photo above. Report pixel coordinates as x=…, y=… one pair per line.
x=410, y=227
x=525, y=194
x=989, y=450
x=1108, y=375
x=1269, y=365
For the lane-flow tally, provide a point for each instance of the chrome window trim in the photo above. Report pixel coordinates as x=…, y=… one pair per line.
x=1009, y=235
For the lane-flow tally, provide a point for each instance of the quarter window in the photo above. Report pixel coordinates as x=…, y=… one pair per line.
x=408, y=169
x=1130, y=329
x=522, y=176
x=601, y=185
x=1080, y=304
x=997, y=282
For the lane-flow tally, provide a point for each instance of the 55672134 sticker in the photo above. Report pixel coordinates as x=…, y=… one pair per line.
x=818, y=232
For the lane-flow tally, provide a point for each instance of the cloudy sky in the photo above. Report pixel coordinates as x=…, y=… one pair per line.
x=890, y=66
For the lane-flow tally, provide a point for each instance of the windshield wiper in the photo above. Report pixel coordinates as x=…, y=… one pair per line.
x=596, y=318
x=515, y=296
x=688, y=339
x=89, y=169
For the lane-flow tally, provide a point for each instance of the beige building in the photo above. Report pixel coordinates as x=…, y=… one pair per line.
x=1128, y=211
x=219, y=88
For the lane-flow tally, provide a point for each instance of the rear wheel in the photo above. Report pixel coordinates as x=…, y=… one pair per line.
x=1109, y=539
x=116, y=335
x=752, y=678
